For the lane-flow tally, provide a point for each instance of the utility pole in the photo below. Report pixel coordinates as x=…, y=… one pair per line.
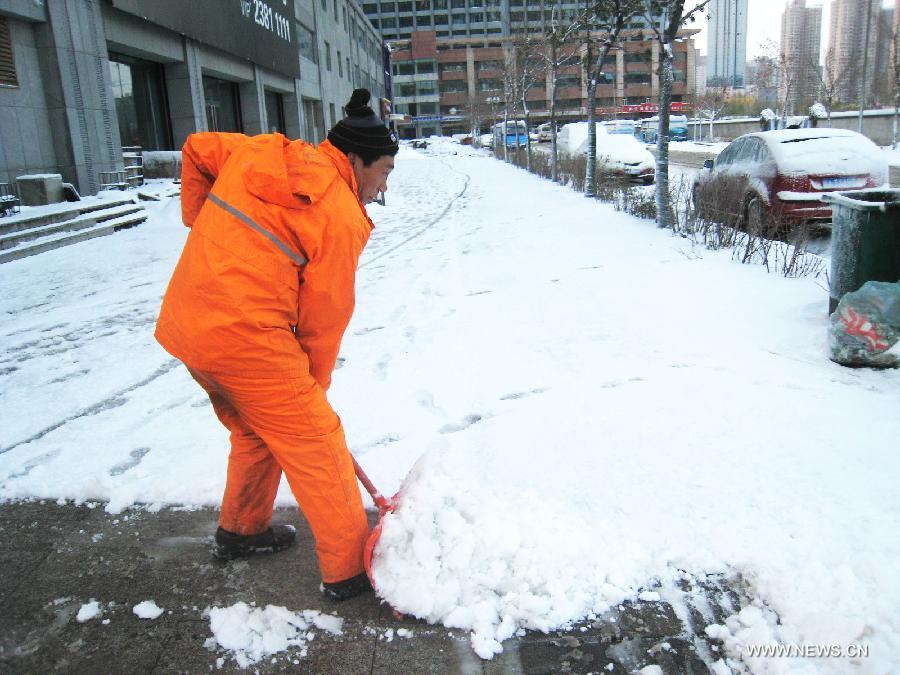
x=865, y=72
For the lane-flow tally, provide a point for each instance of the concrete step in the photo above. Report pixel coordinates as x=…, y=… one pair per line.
x=81, y=222
x=110, y=224
x=57, y=213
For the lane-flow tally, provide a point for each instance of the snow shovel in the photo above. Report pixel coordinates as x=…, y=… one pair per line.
x=384, y=506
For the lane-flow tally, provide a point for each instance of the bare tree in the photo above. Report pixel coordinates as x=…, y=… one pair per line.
x=831, y=81
x=674, y=17
x=608, y=18
x=529, y=72
x=713, y=102
x=559, y=32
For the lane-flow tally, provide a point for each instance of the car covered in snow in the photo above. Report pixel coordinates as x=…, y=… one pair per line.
x=779, y=176
x=625, y=156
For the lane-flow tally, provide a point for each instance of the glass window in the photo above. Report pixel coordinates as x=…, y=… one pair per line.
x=489, y=85
x=424, y=21
x=489, y=65
x=440, y=20
x=7, y=62
x=637, y=78
x=327, y=54
x=425, y=66
x=388, y=22
x=222, y=105
x=404, y=68
x=334, y=118
x=568, y=81
x=340, y=64
x=426, y=88
x=139, y=91
x=406, y=22
x=314, y=122
x=307, y=40
x=275, y=112
x=454, y=87
x=453, y=67
x=459, y=19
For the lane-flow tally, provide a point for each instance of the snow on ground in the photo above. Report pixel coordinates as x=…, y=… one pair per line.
x=701, y=147
x=577, y=407
x=252, y=633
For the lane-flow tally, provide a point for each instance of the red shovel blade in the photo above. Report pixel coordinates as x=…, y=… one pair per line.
x=384, y=507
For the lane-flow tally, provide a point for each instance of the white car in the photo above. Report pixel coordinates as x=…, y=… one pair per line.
x=625, y=156
x=486, y=141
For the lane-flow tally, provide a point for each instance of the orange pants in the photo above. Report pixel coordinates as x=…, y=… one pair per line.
x=287, y=425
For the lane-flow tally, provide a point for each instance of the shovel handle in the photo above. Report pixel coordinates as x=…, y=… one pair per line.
x=377, y=497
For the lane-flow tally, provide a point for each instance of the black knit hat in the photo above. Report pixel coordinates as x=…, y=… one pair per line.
x=361, y=131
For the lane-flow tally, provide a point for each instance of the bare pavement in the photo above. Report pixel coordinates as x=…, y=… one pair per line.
x=55, y=557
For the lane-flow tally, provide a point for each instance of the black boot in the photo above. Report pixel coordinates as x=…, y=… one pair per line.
x=348, y=588
x=230, y=545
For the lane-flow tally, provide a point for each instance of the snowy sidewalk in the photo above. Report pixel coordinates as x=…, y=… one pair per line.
x=73, y=576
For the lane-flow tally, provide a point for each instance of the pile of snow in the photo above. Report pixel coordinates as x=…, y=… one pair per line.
x=147, y=610
x=89, y=610
x=818, y=111
x=251, y=633
x=572, y=138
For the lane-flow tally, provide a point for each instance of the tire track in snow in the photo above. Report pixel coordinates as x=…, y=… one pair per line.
x=114, y=401
x=428, y=225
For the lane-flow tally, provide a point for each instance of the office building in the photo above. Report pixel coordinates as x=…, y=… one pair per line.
x=726, y=45
x=801, y=28
x=851, y=22
x=452, y=60
x=79, y=79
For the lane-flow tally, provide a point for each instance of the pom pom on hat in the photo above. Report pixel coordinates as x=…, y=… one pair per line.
x=361, y=131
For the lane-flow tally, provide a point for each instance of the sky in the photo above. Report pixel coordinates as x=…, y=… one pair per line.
x=764, y=23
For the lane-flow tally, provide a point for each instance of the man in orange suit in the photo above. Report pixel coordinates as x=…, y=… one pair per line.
x=256, y=309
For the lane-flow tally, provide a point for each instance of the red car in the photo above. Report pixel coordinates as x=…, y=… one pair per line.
x=778, y=176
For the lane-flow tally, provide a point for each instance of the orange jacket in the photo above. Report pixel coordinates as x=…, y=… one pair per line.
x=241, y=300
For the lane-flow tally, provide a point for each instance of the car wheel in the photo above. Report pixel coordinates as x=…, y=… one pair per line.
x=755, y=216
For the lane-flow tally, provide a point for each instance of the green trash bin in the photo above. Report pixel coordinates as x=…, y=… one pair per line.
x=865, y=240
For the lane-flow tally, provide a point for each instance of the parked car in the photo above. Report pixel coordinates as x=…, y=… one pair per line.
x=545, y=132
x=625, y=156
x=779, y=176
x=486, y=141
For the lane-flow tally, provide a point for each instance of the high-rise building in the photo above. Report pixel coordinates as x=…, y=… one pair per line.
x=451, y=61
x=726, y=46
x=801, y=28
x=398, y=20
x=852, y=22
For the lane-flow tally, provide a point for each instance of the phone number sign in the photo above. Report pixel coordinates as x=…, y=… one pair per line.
x=261, y=31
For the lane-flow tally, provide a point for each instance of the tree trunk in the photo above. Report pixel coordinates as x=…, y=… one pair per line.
x=665, y=216
x=505, y=133
x=896, y=115
x=590, y=173
x=527, y=116
x=554, y=150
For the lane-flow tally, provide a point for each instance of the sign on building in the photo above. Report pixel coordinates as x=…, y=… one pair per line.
x=261, y=31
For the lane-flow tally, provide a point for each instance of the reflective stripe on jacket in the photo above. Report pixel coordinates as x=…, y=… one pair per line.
x=265, y=284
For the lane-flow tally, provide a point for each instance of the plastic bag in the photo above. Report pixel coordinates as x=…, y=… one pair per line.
x=865, y=327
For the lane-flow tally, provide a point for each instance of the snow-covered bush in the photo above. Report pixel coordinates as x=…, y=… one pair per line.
x=817, y=111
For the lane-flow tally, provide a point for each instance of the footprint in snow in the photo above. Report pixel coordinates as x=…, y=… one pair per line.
x=363, y=331
x=522, y=394
x=466, y=422
x=136, y=456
